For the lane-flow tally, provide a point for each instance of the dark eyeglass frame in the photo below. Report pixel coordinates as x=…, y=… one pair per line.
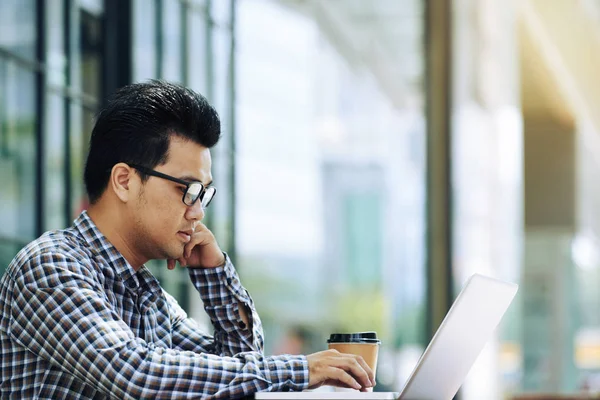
x=187, y=184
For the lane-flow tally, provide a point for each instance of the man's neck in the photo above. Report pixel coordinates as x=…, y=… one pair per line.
x=112, y=224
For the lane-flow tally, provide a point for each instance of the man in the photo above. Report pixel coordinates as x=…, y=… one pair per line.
x=82, y=317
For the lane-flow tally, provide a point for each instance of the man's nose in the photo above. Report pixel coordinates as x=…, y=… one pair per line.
x=195, y=212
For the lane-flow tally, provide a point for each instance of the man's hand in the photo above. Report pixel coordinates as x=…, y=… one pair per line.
x=202, y=251
x=330, y=367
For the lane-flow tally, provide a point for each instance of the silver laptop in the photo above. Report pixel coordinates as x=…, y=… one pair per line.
x=446, y=361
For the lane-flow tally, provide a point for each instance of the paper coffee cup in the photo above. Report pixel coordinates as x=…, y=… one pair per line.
x=364, y=344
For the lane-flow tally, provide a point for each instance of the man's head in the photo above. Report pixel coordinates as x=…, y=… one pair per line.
x=159, y=128
x=136, y=127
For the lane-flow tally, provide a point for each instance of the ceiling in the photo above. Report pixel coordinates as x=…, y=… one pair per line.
x=540, y=90
x=384, y=36
x=566, y=37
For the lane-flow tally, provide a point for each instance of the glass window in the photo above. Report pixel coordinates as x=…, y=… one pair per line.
x=94, y=7
x=220, y=12
x=18, y=27
x=17, y=158
x=9, y=247
x=197, y=52
x=222, y=41
x=90, y=41
x=330, y=139
x=172, y=39
x=54, y=158
x=55, y=43
x=144, y=40
x=82, y=120
x=220, y=217
x=85, y=52
x=74, y=50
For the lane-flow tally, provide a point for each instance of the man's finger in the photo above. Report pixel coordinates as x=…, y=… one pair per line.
x=368, y=369
x=200, y=227
x=343, y=377
x=358, y=370
x=196, y=239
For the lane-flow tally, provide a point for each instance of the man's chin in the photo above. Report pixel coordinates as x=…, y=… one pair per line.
x=173, y=254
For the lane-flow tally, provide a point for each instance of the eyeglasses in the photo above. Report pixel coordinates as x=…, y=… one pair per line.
x=193, y=190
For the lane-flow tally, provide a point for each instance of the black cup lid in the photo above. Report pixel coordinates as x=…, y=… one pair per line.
x=359, y=337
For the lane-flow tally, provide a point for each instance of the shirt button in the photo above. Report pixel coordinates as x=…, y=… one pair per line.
x=131, y=284
x=242, y=325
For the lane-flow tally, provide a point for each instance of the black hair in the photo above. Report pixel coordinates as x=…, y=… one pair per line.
x=136, y=125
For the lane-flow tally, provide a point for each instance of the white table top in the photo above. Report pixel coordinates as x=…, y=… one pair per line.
x=328, y=395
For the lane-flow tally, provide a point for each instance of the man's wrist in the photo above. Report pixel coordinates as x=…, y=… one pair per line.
x=210, y=265
x=294, y=373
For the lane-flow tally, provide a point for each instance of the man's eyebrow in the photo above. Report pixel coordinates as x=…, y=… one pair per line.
x=190, y=179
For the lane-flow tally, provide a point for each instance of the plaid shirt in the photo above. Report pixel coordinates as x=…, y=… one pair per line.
x=77, y=322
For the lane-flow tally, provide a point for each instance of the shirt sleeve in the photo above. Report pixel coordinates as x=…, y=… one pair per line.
x=61, y=314
x=222, y=294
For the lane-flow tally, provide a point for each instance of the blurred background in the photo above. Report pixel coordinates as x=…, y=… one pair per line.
x=375, y=154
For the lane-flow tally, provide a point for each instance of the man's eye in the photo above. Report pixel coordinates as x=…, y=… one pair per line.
x=182, y=189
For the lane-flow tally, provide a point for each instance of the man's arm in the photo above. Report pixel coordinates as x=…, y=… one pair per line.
x=61, y=314
x=225, y=302
x=327, y=367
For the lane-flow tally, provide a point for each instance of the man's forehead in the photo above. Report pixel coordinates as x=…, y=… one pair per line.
x=189, y=171
x=196, y=177
x=188, y=159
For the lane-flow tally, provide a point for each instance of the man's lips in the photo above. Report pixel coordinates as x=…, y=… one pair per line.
x=185, y=235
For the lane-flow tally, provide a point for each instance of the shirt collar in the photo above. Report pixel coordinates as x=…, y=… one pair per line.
x=100, y=245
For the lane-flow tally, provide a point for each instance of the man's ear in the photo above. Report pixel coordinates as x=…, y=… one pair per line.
x=122, y=181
